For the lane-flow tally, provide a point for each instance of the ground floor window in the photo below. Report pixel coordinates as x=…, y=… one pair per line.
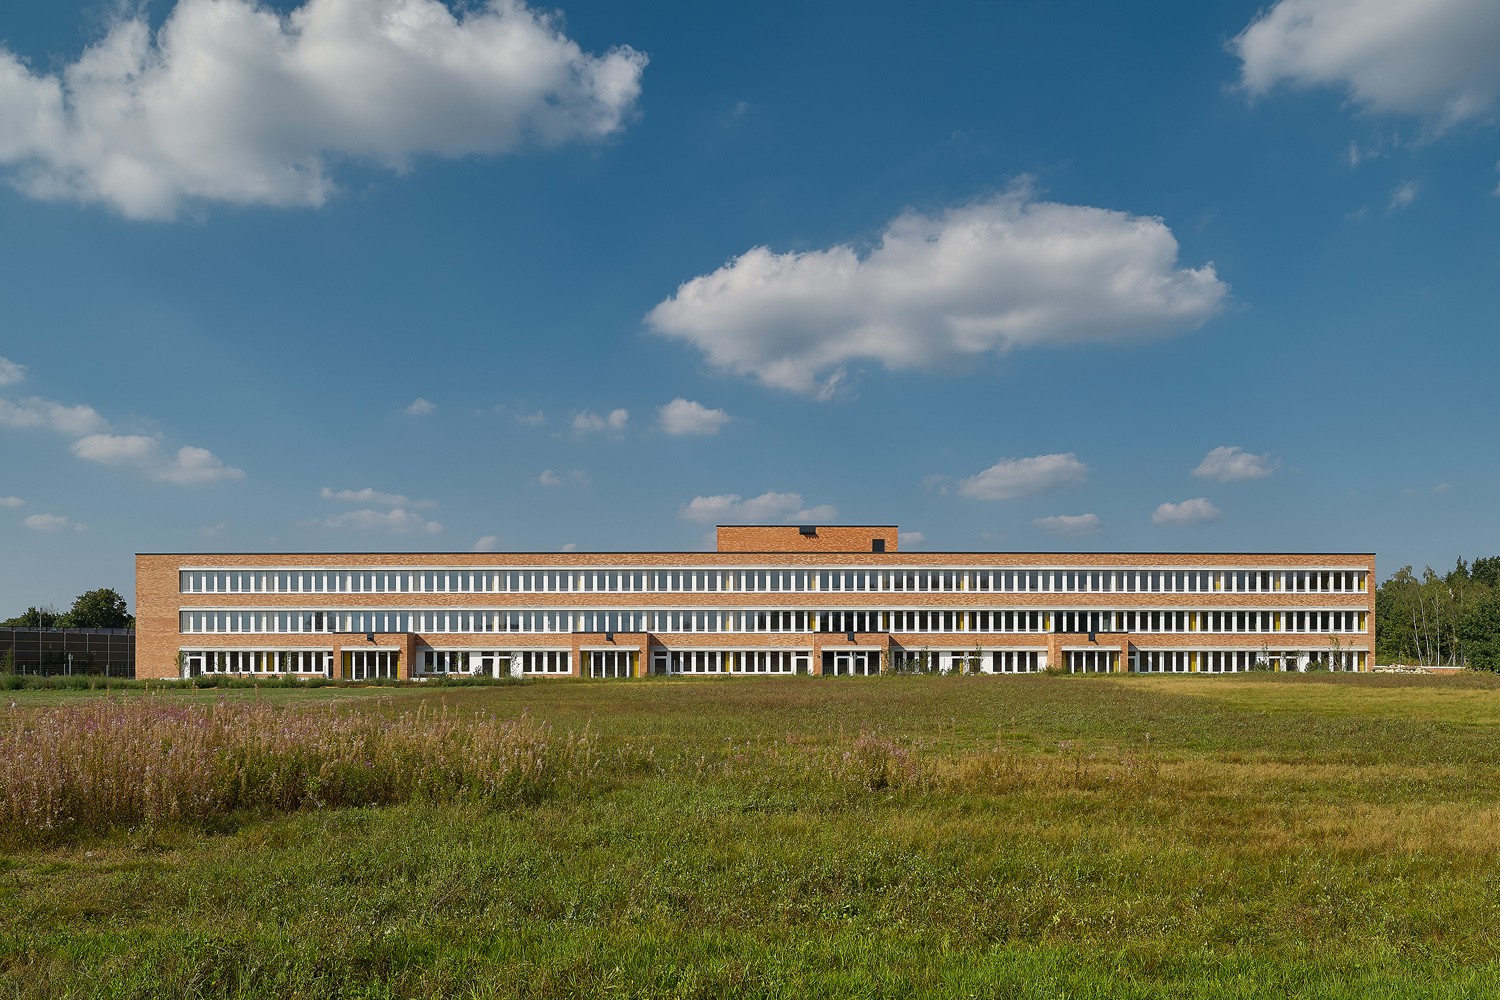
x=371, y=664
x=447, y=661
x=862, y=662
x=1235, y=661
x=1016, y=661
x=965, y=661
x=196, y=662
x=610, y=662
x=770, y=661
x=1092, y=661
x=1230, y=661
x=543, y=661
x=667, y=662
x=1161, y=661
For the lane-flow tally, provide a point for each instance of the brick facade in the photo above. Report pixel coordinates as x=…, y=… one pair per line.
x=161, y=603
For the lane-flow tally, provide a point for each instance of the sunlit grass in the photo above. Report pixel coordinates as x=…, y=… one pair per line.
x=1150, y=837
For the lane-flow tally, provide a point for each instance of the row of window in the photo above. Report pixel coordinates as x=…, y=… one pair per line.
x=577, y=581
x=1221, y=661
x=373, y=664
x=559, y=621
x=256, y=661
x=607, y=663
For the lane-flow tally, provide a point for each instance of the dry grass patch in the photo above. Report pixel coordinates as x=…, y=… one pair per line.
x=96, y=765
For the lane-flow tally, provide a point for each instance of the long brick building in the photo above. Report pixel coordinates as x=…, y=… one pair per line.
x=769, y=600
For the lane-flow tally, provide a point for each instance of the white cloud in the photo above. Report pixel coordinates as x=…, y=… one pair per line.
x=49, y=522
x=683, y=416
x=12, y=502
x=938, y=291
x=118, y=449
x=368, y=495
x=35, y=412
x=1434, y=59
x=213, y=530
x=1194, y=511
x=10, y=371
x=532, y=419
x=190, y=466
x=910, y=538
x=588, y=421
x=1444, y=487
x=234, y=102
x=570, y=547
x=420, y=407
x=486, y=543
x=1404, y=195
x=1071, y=524
x=1228, y=463
x=730, y=508
x=398, y=520
x=575, y=478
x=187, y=466
x=1010, y=478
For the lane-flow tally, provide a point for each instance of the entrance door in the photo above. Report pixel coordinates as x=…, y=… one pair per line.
x=841, y=663
x=371, y=664
x=609, y=663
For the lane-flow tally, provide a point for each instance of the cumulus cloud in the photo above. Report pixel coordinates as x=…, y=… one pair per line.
x=186, y=466
x=575, y=478
x=486, y=543
x=938, y=291
x=1010, y=478
x=35, y=412
x=1434, y=59
x=195, y=465
x=532, y=419
x=231, y=101
x=1228, y=463
x=683, y=416
x=588, y=422
x=368, y=495
x=10, y=372
x=397, y=520
x=1195, y=511
x=12, y=502
x=49, y=522
x=910, y=538
x=730, y=508
x=1071, y=524
x=420, y=407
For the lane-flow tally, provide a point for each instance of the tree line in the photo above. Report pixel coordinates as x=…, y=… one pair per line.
x=101, y=608
x=1448, y=620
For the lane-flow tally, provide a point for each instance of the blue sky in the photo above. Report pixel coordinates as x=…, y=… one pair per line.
x=389, y=274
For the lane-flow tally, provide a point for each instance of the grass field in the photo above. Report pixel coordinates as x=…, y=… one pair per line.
x=1253, y=836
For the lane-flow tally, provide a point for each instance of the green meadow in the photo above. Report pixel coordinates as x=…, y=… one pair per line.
x=1250, y=836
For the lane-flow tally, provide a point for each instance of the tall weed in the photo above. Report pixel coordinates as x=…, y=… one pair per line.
x=112, y=763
